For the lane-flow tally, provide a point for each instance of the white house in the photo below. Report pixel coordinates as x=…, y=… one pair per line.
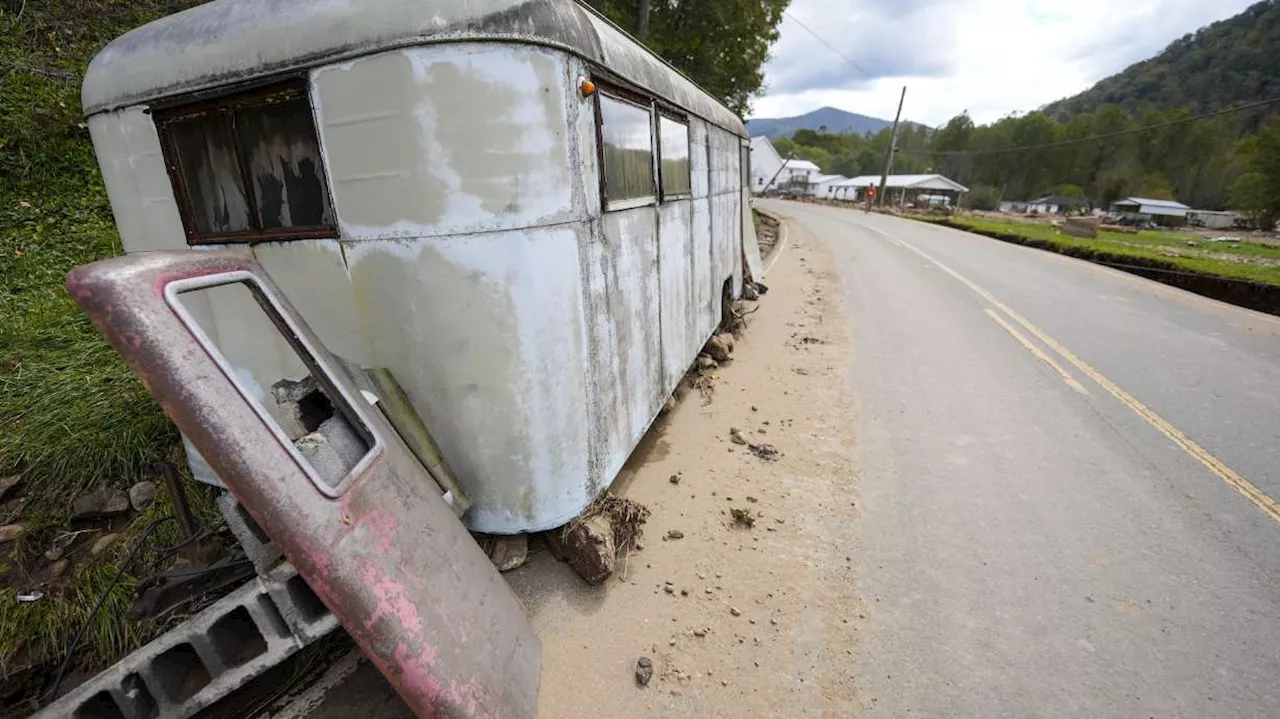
x=770, y=173
x=825, y=185
x=1164, y=212
x=1057, y=204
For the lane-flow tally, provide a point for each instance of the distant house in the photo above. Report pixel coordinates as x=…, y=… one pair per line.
x=901, y=189
x=765, y=163
x=1013, y=206
x=825, y=185
x=770, y=173
x=1212, y=219
x=1143, y=209
x=1058, y=204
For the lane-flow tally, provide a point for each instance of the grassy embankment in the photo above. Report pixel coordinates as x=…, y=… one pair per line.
x=1248, y=260
x=72, y=416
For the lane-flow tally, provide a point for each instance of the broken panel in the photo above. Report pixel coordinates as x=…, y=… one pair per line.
x=326, y=477
x=312, y=415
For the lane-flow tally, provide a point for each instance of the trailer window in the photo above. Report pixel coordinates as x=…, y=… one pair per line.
x=744, y=164
x=247, y=167
x=673, y=148
x=626, y=136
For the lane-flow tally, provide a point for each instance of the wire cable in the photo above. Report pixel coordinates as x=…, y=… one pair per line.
x=138, y=544
x=830, y=47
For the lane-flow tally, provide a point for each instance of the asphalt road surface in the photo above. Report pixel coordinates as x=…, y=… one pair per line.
x=1066, y=482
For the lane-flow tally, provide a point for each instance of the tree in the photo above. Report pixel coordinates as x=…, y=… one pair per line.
x=983, y=197
x=1067, y=189
x=1156, y=187
x=1257, y=192
x=720, y=44
x=1249, y=195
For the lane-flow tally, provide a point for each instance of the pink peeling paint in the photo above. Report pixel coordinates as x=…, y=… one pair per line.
x=386, y=555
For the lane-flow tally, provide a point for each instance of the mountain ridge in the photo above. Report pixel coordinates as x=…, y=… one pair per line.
x=834, y=119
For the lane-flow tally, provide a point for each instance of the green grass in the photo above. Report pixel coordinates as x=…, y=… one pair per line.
x=1170, y=247
x=72, y=416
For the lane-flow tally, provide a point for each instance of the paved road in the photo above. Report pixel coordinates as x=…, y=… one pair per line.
x=1071, y=539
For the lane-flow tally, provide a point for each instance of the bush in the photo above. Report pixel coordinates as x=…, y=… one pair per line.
x=982, y=197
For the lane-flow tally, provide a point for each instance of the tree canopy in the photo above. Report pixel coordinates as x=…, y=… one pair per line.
x=720, y=44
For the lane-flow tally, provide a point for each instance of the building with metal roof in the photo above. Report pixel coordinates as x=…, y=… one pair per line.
x=1145, y=209
x=1150, y=207
x=901, y=187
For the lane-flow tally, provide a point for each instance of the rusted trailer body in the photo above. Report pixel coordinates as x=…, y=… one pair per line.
x=526, y=216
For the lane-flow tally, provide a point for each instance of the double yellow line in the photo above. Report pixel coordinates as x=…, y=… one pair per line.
x=1233, y=479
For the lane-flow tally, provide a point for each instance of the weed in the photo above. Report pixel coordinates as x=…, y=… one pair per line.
x=72, y=416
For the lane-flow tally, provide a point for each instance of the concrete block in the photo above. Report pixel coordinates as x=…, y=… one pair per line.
x=200, y=661
x=258, y=547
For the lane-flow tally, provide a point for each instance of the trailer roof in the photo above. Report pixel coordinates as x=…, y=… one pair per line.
x=227, y=42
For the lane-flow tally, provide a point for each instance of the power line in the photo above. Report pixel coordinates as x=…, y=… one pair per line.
x=1105, y=136
x=830, y=47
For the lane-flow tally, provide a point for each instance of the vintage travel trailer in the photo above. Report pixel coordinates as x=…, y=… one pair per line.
x=525, y=216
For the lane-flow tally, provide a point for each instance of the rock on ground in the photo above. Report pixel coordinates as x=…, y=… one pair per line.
x=141, y=495
x=588, y=547
x=716, y=349
x=103, y=502
x=508, y=553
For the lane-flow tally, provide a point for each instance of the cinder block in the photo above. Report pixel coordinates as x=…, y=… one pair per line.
x=207, y=657
x=258, y=547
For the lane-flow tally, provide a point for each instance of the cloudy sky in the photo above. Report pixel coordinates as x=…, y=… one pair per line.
x=990, y=57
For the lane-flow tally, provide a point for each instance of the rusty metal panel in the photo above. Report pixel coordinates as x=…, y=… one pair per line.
x=680, y=316
x=313, y=275
x=133, y=170
x=447, y=139
x=623, y=330
x=750, y=243
x=380, y=547
x=484, y=332
x=726, y=217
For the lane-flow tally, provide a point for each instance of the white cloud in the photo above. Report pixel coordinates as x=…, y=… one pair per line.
x=990, y=57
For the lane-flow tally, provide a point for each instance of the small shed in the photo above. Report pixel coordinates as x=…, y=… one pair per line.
x=1212, y=219
x=825, y=185
x=1058, y=204
x=1163, y=212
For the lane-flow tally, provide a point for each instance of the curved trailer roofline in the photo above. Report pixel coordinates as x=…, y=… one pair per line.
x=228, y=42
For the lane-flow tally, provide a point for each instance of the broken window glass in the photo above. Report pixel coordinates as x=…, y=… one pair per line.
x=248, y=167
x=276, y=373
x=284, y=164
x=215, y=188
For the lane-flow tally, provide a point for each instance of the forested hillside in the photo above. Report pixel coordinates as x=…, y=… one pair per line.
x=1220, y=65
x=1142, y=132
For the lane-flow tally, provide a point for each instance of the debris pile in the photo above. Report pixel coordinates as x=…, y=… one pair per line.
x=607, y=530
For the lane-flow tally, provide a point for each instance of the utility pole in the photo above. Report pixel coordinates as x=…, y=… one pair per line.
x=893, y=145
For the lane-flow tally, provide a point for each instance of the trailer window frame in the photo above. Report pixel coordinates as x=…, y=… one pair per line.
x=614, y=93
x=228, y=108
x=682, y=121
